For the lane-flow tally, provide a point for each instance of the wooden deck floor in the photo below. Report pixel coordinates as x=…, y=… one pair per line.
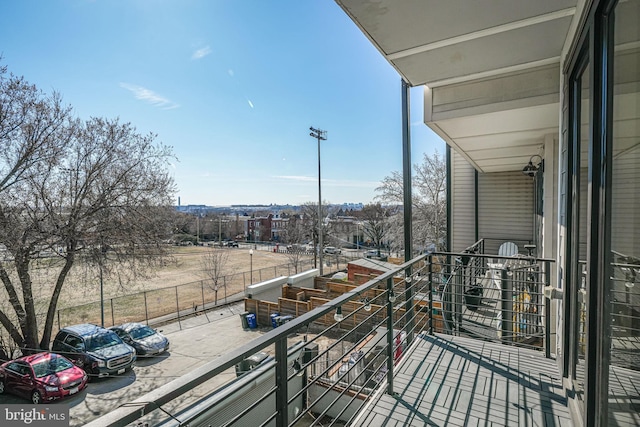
x=455, y=381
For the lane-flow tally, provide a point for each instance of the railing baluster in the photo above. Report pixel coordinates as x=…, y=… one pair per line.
x=507, y=306
x=430, y=294
x=281, y=383
x=389, y=336
x=547, y=311
x=408, y=305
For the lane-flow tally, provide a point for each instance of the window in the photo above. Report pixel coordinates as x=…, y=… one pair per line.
x=74, y=342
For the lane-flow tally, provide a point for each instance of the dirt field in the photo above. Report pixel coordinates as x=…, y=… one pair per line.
x=187, y=266
x=180, y=285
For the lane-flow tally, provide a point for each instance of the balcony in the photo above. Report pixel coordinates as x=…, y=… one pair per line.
x=446, y=338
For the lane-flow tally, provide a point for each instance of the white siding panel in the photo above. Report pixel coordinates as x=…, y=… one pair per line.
x=505, y=207
x=463, y=204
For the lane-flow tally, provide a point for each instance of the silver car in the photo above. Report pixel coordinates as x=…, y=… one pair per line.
x=145, y=340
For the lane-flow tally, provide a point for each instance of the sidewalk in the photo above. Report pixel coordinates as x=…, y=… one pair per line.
x=186, y=316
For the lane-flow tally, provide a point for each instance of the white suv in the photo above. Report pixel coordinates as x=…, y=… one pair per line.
x=331, y=250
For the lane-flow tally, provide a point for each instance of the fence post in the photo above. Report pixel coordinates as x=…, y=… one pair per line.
x=113, y=318
x=202, y=292
x=178, y=308
x=224, y=283
x=260, y=274
x=146, y=312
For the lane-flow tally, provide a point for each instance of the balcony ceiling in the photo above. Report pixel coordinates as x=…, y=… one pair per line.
x=457, y=43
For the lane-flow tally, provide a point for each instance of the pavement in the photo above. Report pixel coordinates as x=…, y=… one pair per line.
x=195, y=341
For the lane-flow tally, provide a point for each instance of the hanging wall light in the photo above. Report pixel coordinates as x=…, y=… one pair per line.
x=367, y=304
x=392, y=296
x=531, y=169
x=338, y=317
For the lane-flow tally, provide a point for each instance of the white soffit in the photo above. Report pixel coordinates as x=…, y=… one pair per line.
x=443, y=42
x=435, y=42
x=500, y=141
x=503, y=122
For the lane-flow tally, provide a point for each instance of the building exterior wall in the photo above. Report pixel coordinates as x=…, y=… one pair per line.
x=505, y=209
x=462, y=203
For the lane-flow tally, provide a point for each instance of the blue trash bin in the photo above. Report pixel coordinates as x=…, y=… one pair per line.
x=274, y=322
x=251, y=320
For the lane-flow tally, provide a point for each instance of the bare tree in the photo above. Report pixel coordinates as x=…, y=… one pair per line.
x=429, y=200
x=431, y=181
x=84, y=189
x=310, y=221
x=214, y=266
x=295, y=235
x=375, y=222
x=32, y=128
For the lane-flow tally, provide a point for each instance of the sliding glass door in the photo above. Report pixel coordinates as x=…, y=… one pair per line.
x=603, y=244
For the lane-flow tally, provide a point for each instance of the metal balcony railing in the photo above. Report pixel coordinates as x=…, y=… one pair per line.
x=321, y=367
x=496, y=298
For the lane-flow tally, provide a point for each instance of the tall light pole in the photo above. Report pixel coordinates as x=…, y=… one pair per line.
x=320, y=135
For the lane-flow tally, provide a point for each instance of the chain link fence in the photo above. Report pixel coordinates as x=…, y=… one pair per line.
x=172, y=303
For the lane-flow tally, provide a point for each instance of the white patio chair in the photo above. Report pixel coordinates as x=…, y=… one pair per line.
x=508, y=249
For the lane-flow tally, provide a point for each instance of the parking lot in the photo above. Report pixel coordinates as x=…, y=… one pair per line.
x=194, y=342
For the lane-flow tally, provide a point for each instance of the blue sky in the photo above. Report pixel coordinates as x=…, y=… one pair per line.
x=231, y=85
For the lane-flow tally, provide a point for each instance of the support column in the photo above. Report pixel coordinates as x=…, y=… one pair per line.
x=406, y=172
x=408, y=208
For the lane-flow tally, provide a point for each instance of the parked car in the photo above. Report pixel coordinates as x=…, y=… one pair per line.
x=331, y=250
x=42, y=377
x=371, y=253
x=99, y=351
x=232, y=244
x=296, y=248
x=145, y=340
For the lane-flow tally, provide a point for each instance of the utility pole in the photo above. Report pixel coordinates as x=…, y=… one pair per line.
x=320, y=135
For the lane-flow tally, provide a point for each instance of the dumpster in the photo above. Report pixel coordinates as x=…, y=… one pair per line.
x=251, y=321
x=273, y=319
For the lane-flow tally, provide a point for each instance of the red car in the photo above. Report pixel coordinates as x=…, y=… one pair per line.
x=42, y=377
